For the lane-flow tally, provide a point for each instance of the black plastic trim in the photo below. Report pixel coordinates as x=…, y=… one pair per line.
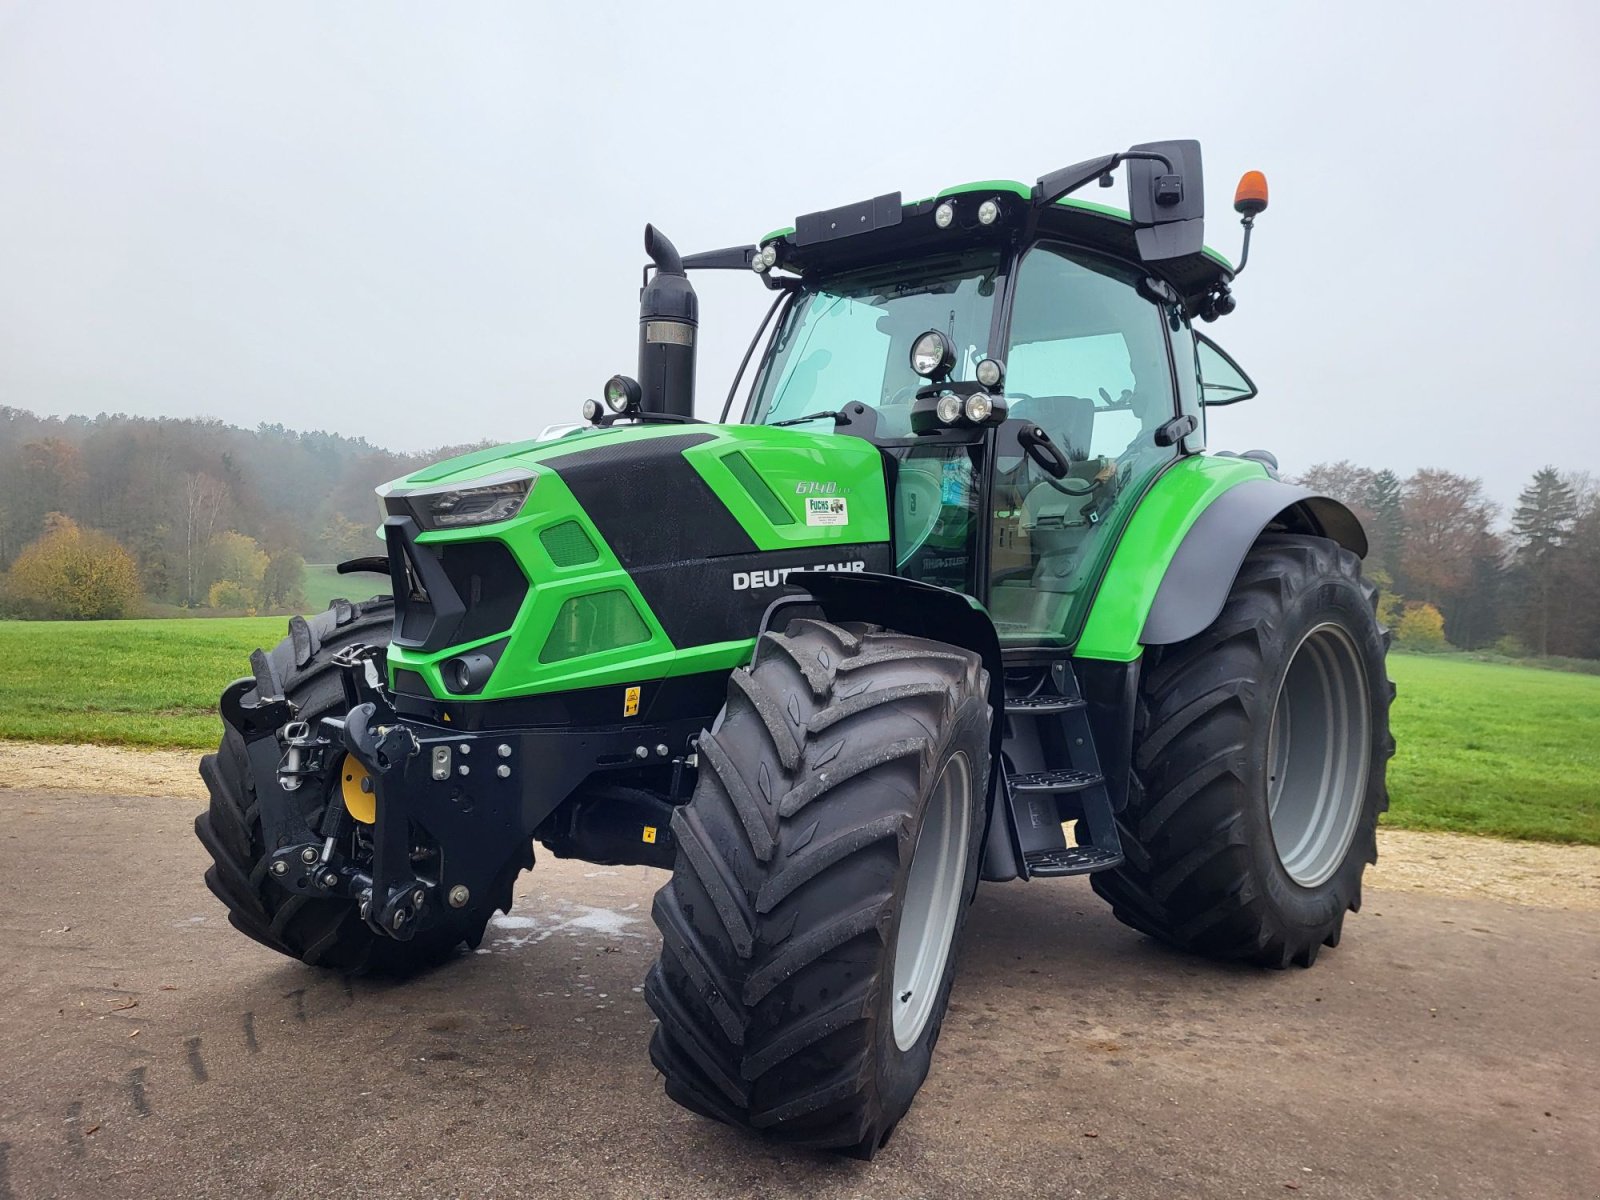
x=427, y=608
x=1198, y=578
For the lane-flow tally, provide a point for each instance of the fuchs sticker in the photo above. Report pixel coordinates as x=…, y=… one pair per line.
x=744, y=581
x=827, y=510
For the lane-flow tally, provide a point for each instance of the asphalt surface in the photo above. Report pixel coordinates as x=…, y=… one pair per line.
x=1447, y=1048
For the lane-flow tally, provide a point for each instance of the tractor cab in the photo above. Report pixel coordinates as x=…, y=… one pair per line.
x=1070, y=321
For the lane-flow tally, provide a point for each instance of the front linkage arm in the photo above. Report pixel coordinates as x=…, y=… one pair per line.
x=395, y=902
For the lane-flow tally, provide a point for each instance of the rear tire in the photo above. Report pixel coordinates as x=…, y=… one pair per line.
x=825, y=866
x=321, y=932
x=1247, y=832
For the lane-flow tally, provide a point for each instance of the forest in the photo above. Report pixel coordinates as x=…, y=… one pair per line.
x=115, y=515
x=1455, y=570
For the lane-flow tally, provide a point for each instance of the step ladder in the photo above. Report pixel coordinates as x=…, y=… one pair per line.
x=1052, y=776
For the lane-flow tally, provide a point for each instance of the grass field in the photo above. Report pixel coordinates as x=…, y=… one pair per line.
x=1483, y=748
x=323, y=583
x=139, y=683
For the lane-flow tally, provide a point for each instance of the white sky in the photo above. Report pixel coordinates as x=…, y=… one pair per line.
x=421, y=223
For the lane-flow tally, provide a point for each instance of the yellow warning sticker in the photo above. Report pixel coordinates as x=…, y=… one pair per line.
x=630, y=702
x=650, y=834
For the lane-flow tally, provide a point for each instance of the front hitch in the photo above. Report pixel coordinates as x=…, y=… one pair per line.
x=450, y=807
x=392, y=899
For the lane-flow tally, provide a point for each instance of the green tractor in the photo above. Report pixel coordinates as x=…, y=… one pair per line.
x=958, y=596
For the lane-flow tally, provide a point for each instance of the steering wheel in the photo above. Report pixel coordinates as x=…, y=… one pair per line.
x=1039, y=447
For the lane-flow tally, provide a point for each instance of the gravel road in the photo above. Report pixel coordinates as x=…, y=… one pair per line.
x=1450, y=1047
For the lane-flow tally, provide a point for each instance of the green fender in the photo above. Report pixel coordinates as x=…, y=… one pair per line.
x=1171, y=572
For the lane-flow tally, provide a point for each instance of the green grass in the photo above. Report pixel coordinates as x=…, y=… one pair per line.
x=135, y=683
x=1483, y=748
x=323, y=583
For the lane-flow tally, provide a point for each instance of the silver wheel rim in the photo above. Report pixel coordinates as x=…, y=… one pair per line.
x=1318, y=754
x=932, y=901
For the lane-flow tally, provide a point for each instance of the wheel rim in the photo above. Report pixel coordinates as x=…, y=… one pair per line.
x=1318, y=754
x=932, y=901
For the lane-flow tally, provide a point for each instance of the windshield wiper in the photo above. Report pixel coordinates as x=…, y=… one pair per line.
x=816, y=416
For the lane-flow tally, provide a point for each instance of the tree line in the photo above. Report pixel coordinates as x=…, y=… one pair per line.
x=114, y=515
x=1456, y=571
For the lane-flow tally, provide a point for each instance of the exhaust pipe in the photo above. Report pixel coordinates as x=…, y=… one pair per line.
x=669, y=318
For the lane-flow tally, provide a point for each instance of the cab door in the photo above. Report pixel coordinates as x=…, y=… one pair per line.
x=1089, y=360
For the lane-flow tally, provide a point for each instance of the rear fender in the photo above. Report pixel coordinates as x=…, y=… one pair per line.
x=1207, y=561
x=1175, y=563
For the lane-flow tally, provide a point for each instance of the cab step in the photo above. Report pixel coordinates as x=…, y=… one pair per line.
x=1042, y=801
x=1071, y=860
x=1062, y=779
x=1053, y=781
x=1042, y=706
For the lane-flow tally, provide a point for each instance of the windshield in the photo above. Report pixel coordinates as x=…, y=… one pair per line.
x=850, y=339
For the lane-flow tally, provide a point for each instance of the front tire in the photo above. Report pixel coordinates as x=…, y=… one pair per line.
x=825, y=866
x=318, y=931
x=1260, y=752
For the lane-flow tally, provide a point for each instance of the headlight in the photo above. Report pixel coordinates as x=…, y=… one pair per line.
x=988, y=212
x=498, y=498
x=948, y=409
x=944, y=215
x=989, y=372
x=979, y=407
x=932, y=355
x=769, y=256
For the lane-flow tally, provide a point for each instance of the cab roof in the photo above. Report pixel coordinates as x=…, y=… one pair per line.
x=885, y=229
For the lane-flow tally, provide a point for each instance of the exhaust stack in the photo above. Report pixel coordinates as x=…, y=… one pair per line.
x=669, y=319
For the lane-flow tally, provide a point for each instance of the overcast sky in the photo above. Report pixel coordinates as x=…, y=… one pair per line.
x=421, y=223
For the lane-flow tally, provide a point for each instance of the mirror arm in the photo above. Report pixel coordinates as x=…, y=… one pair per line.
x=1062, y=183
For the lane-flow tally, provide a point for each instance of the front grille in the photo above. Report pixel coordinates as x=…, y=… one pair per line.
x=491, y=586
x=446, y=594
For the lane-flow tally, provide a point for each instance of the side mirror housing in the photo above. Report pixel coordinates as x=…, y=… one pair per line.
x=1168, y=205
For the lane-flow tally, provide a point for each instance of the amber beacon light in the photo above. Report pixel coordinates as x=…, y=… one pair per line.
x=1250, y=197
